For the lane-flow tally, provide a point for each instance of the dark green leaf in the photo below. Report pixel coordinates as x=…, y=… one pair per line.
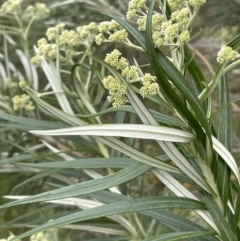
x=225, y=231
x=134, y=205
x=172, y=220
x=225, y=137
x=180, y=235
x=86, y=187
x=116, y=162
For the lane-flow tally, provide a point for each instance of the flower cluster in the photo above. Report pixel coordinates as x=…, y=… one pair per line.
x=117, y=91
x=49, y=235
x=112, y=28
x=10, y=7
x=134, y=6
x=22, y=102
x=39, y=11
x=150, y=87
x=87, y=31
x=174, y=31
x=10, y=237
x=129, y=71
x=196, y=3
x=65, y=40
x=226, y=54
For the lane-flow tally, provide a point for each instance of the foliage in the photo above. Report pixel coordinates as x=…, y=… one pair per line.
x=83, y=165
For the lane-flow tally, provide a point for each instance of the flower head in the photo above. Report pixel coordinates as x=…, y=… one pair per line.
x=130, y=72
x=196, y=3
x=150, y=87
x=118, y=36
x=226, y=54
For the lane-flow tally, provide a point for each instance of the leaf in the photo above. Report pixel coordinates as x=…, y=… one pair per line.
x=54, y=79
x=134, y=205
x=236, y=219
x=223, y=227
x=30, y=70
x=226, y=156
x=30, y=122
x=161, y=118
x=194, y=69
x=179, y=235
x=225, y=136
x=86, y=187
x=111, y=162
x=124, y=130
x=172, y=220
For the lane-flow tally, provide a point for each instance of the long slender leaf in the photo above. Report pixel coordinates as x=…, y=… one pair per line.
x=217, y=215
x=125, y=130
x=30, y=122
x=111, y=162
x=161, y=118
x=133, y=205
x=179, y=236
x=86, y=187
x=226, y=156
x=172, y=220
x=225, y=137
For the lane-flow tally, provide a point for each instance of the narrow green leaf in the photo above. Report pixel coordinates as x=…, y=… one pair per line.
x=161, y=118
x=86, y=187
x=110, y=141
x=180, y=236
x=134, y=205
x=223, y=227
x=236, y=219
x=194, y=70
x=111, y=162
x=226, y=156
x=172, y=220
x=225, y=137
x=124, y=130
x=30, y=122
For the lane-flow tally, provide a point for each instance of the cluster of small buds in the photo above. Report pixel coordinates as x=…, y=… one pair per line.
x=54, y=32
x=226, y=54
x=181, y=16
x=114, y=59
x=44, y=236
x=39, y=11
x=65, y=39
x=117, y=91
x=196, y=3
x=112, y=28
x=87, y=30
x=10, y=7
x=171, y=32
x=22, y=85
x=46, y=50
x=22, y=102
x=134, y=6
x=150, y=87
x=69, y=37
x=10, y=238
x=176, y=4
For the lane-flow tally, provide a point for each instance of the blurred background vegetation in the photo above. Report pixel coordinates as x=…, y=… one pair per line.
x=216, y=24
